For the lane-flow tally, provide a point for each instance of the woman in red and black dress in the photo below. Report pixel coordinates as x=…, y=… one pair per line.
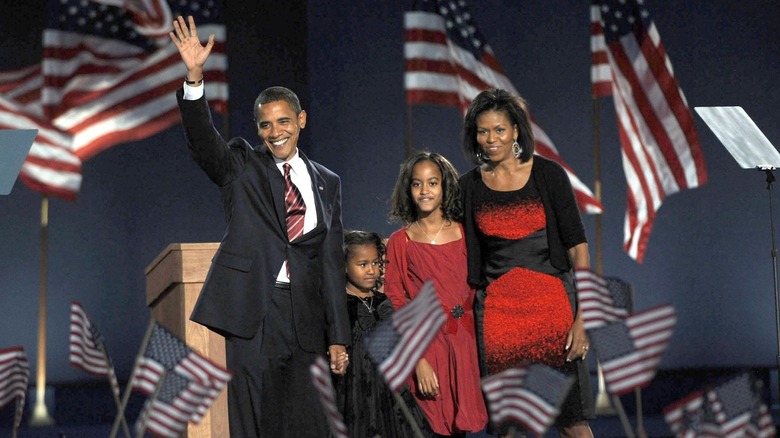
x=524, y=235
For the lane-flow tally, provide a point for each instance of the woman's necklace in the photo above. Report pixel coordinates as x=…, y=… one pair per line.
x=367, y=301
x=433, y=241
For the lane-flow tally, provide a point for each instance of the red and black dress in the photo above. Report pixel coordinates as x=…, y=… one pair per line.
x=527, y=312
x=529, y=304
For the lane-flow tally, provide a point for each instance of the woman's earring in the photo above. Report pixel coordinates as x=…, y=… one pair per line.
x=517, y=150
x=481, y=156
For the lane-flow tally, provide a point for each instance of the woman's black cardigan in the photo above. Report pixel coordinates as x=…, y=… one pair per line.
x=564, y=224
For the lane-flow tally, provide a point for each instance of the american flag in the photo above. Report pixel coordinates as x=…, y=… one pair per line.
x=731, y=409
x=660, y=146
x=14, y=374
x=739, y=410
x=732, y=402
x=110, y=72
x=320, y=375
x=449, y=62
x=622, y=293
x=178, y=401
x=599, y=304
x=630, y=350
x=397, y=343
x=761, y=424
x=691, y=417
x=87, y=350
x=166, y=354
x=87, y=347
x=23, y=86
x=528, y=395
x=108, y=76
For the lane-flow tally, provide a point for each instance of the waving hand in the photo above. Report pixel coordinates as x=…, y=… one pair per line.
x=193, y=53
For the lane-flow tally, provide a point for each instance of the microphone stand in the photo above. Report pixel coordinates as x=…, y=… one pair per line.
x=770, y=178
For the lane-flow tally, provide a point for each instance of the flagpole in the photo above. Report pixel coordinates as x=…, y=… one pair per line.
x=640, y=427
x=115, y=389
x=408, y=414
x=40, y=416
x=408, y=136
x=145, y=415
x=15, y=426
x=623, y=418
x=603, y=406
x=597, y=182
x=129, y=387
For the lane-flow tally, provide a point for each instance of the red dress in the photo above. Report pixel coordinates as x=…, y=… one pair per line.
x=528, y=314
x=453, y=352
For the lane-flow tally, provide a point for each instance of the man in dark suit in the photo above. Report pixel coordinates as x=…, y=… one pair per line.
x=275, y=291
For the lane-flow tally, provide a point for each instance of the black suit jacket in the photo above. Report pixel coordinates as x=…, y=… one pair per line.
x=235, y=296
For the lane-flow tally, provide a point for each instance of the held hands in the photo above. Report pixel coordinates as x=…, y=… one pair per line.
x=193, y=54
x=339, y=359
x=577, y=343
x=427, y=382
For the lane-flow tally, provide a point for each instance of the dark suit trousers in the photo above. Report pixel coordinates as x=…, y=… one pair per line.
x=271, y=393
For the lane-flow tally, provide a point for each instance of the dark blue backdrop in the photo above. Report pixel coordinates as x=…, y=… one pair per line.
x=709, y=253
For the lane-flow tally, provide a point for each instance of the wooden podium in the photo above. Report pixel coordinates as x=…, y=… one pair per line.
x=173, y=283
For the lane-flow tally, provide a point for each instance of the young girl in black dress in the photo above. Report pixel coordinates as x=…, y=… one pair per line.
x=365, y=400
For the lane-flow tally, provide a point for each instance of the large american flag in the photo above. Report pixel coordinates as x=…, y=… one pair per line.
x=167, y=354
x=449, y=62
x=396, y=344
x=110, y=69
x=320, y=375
x=660, y=146
x=108, y=76
x=630, y=350
x=599, y=304
x=529, y=395
x=14, y=374
x=87, y=347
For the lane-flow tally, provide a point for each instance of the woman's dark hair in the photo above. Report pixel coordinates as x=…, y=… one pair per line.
x=275, y=94
x=402, y=206
x=356, y=238
x=516, y=110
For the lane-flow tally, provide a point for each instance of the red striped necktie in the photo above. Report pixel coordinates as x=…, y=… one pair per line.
x=296, y=209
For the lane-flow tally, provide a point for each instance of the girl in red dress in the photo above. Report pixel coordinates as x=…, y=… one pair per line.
x=431, y=246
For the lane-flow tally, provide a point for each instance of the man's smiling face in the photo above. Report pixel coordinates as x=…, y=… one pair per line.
x=279, y=128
